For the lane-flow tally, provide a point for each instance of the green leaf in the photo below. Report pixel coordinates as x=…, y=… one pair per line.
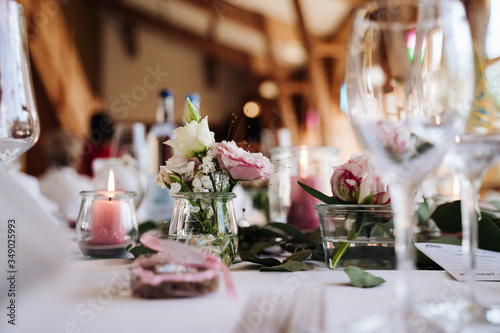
x=289, y=266
x=292, y=231
x=488, y=235
x=361, y=279
x=424, y=211
x=147, y=226
x=140, y=249
x=448, y=217
x=320, y=196
x=319, y=253
x=249, y=256
x=299, y=256
x=259, y=246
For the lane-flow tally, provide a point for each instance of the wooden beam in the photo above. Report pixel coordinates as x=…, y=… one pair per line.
x=56, y=60
x=287, y=109
x=117, y=8
x=320, y=92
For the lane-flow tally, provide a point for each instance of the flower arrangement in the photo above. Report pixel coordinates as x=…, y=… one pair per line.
x=202, y=176
x=355, y=182
x=203, y=165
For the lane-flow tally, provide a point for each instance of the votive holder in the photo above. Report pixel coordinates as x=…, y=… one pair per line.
x=107, y=223
x=310, y=165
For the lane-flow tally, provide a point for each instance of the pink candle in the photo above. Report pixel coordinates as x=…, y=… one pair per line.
x=108, y=222
x=301, y=212
x=109, y=218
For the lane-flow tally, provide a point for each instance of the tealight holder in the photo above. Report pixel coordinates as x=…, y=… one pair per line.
x=107, y=223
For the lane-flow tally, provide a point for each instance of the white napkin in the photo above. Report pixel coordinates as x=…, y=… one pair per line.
x=38, y=248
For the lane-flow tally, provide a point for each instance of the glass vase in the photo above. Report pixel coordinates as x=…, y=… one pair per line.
x=207, y=221
x=357, y=235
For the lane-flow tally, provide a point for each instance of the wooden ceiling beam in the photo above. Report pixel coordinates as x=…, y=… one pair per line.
x=56, y=60
x=256, y=66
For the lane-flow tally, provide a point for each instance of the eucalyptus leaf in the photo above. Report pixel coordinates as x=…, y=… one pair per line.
x=320, y=196
x=147, y=226
x=292, y=231
x=448, y=217
x=488, y=235
x=299, y=256
x=361, y=279
x=259, y=246
x=140, y=249
x=289, y=266
x=319, y=253
x=249, y=256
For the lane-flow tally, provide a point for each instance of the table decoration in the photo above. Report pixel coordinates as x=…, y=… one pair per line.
x=356, y=222
x=201, y=177
x=310, y=165
x=107, y=223
x=176, y=270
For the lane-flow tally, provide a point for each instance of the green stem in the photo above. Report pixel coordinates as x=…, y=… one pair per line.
x=345, y=245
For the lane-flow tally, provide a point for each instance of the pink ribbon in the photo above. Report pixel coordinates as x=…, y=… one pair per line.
x=187, y=255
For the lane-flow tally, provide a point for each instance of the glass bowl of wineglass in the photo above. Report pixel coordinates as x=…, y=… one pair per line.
x=19, y=124
x=409, y=84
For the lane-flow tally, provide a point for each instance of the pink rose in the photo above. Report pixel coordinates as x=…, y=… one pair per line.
x=239, y=163
x=357, y=182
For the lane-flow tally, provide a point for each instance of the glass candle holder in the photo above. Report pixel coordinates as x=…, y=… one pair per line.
x=107, y=223
x=311, y=165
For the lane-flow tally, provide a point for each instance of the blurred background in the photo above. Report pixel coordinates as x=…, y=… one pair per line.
x=269, y=70
x=284, y=55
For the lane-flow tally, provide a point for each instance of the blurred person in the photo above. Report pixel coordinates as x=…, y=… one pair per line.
x=61, y=182
x=98, y=143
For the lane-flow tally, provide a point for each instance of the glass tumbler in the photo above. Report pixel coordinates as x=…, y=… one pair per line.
x=312, y=166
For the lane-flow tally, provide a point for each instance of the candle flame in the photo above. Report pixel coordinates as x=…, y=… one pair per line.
x=111, y=182
x=456, y=188
x=303, y=160
x=457, y=139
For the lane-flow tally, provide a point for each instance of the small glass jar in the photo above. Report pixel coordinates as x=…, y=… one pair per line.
x=207, y=221
x=107, y=223
x=312, y=166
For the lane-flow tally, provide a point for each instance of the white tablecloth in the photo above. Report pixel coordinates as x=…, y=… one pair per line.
x=91, y=296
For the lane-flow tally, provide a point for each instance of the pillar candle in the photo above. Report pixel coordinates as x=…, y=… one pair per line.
x=108, y=222
x=301, y=212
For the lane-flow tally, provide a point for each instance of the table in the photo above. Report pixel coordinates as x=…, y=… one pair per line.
x=91, y=296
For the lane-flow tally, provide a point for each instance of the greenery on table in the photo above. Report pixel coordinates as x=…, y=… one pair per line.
x=264, y=245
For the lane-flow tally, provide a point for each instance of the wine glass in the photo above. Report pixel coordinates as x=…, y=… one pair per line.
x=409, y=84
x=478, y=148
x=19, y=125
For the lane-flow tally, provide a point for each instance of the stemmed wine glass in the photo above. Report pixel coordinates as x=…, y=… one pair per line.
x=409, y=80
x=19, y=125
x=478, y=148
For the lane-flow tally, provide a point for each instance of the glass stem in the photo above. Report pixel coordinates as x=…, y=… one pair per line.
x=469, y=186
x=402, y=200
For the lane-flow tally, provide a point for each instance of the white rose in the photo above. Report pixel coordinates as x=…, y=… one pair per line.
x=192, y=139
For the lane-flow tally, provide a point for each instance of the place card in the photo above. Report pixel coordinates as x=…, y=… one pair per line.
x=450, y=258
